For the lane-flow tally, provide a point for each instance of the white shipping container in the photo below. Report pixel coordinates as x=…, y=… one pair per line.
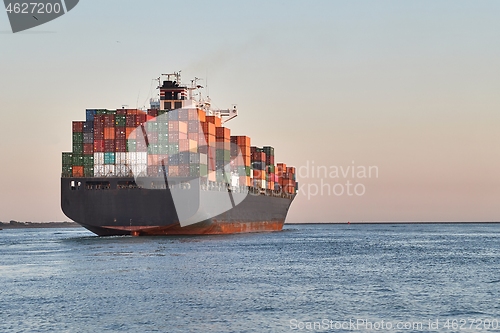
x=121, y=170
x=98, y=158
x=109, y=170
x=121, y=158
x=142, y=158
x=139, y=170
x=203, y=159
x=99, y=170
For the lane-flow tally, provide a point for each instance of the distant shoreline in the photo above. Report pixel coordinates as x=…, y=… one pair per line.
x=33, y=225
x=407, y=222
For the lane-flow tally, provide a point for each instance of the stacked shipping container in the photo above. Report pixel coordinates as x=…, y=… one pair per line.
x=178, y=143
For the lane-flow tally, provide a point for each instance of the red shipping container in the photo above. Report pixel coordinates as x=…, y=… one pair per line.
x=98, y=145
x=121, y=146
x=223, y=132
x=223, y=145
x=120, y=133
x=195, y=114
x=121, y=112
x=109, y=146
x=78, y=126
x=214, y=120
x=183, y=114
x=99, y=120
x=140, y=119
x=130, y=120
x=98, y=132
x=184, y=170
x=153, y=170
x=183, y=145
x=173, y=126
x=258, y=157
x=153, y=112
x=193, y=136
x=183, y=136
x=290, y=170
x=88, y=148
x=109, y=120
x=173, y=137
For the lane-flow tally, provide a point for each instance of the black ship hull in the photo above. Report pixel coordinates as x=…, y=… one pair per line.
x=117, y=206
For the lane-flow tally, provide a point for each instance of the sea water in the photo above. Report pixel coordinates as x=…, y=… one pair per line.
x=307, y=278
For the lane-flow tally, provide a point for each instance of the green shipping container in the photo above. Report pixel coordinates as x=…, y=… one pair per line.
x=77, y=160
x=67, y=171
x=163, y=138
x=198, y=170
x=270, y=168
x=151, y=126
x=223, y=155
x=153, y=149
x=88, y=171
x=163, y=149
x=67, y=159
x=101, y=111
x=131, y=145
x=162, y=126
x=77, y=138
x=120, y=120
x=88, y=160
x=173, y=149
x=248, y=171
x=78, y=148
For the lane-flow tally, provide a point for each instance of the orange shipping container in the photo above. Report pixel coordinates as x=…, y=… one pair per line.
x=152, y=159
x=241, y=140
x=109, y=133
x=77, y=171
x=173, y=170
x=214, y=120
x=280, y=169
x=183, y=127
x=208, y=128
x=129, y=133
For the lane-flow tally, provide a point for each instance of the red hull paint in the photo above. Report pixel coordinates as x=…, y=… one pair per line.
x=204, y=228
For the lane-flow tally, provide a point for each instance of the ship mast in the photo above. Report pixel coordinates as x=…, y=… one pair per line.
x=175, y=95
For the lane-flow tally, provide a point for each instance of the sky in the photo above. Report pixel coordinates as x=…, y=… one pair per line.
x=408, y=88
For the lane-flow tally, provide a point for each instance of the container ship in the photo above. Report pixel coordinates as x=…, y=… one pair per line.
x=173, y=169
